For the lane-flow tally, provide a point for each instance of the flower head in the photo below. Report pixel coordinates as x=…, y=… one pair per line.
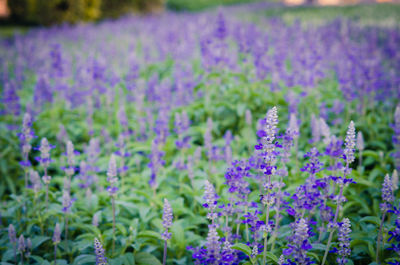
x=350, y=143
x=12, y=236
x=112, y=176
x=344, y=241
x=56, y=234
x=44, y=148
x=167, y=220
x=211, y=198
x=387, y=193
x=21, y=244
x=99, y=252
x=360, y=141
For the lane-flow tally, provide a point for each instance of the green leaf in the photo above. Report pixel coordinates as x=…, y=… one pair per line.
x=149, y=234
x=313, y=255
x=40, y=260
x=272, y=257
x=38, y=240
x=318, y=246
x=144, y=258
x=242, y=247
x=128, y=259
x=371, y=219
x=82, y=259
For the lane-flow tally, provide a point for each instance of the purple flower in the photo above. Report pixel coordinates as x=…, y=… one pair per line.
x=56, y=234
x=299, y=243
x=12, y=236
x=100, y=253
x=167, y=220
x=344, y=241
x=21, y=244
x=387, y=193
x=314, y=165
x=350, y=143
x=211, y=198
x=112, y=176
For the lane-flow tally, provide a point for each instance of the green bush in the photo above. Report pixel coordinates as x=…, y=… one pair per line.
x=47, y=12
x=55, y=11
x=115, y=8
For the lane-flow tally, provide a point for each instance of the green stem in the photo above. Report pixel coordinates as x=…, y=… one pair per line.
x=266, y=236
x=378, y=243
x=334, y=222
x=66, y=234
x=55, y=254
x=165, y=252
x=113, y=213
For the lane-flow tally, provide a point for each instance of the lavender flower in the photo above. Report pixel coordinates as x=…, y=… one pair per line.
x=35, y=180
x=167, y=223
x=167, y=220
x=360, y=141
x=268, y=134
x=281, y=260
x=28, y=247
x=56, y=234
x=248, y=117
x=387, y=198
x=299, y=244
x=293, y=125
x=21, y=244
x=12, y=236
x=350, y=143
x=324, y=130
x=344, y=241
x=66, y=201
x=44, y=153
x=99, y=252
x=112, y=190
x=208, y=138
x=112, y=176
x=26, y=136
x=213, y=244
x=95, y=220
x=387, y=193
x=62, y=136
x=211, y=201
x=155, y=164
x=395, y=180
x=70, y=170
x=315, y=129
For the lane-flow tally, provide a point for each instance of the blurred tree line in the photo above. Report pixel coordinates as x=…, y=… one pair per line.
x=47, y=12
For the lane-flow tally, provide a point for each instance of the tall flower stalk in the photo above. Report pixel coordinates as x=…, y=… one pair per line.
x=112, y=190
x=45, y=160
x=26, y=137
x=167, y=223
x=267, y=145
x=66, y=203
x=350, y=143
x=387, y=198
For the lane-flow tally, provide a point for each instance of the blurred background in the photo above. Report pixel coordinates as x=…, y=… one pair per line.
x=49, y=12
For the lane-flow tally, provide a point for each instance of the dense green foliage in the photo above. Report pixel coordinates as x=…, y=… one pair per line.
x=188, y=5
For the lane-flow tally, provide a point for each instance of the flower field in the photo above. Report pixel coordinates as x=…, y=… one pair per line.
x=222, y=137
